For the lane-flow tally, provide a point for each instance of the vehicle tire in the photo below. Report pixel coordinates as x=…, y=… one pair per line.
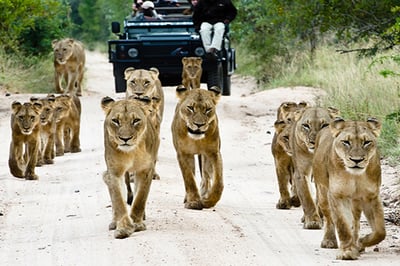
x=215, y=76
x=226, y=90
x=120, y=82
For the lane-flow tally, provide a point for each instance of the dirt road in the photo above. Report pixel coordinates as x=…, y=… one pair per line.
x=63, y=218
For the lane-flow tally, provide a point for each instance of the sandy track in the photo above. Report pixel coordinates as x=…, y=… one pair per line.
x=62, y=219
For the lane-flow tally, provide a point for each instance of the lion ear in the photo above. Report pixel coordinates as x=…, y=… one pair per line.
x=199, y=59
x=106, y=104
x=180, y=90
x=128, y=71
x=155, y=72
x=184, y=60
x=333, y=112
x=375, y=125
x=217, y=92
x=53, y=43
x=16, y=106
x=336, y=126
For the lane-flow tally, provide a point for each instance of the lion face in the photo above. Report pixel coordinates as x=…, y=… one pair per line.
x=355, y=143
x=125, y=123
x=141, y=82
x=192, y=66
x=312, y=120
x=27, y=116
x=63, y=50
x=197, y=109
x=63, y=105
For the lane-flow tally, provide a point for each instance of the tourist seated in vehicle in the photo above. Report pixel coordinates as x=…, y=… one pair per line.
x=147, y=12
x=211, y=19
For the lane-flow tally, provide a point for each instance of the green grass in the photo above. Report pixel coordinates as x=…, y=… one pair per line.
x=353, y=85
x=26, y=74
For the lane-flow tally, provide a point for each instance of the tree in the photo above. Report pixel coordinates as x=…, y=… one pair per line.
x=29, y=25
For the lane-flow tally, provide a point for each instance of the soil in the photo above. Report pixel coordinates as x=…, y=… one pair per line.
x=62, y=219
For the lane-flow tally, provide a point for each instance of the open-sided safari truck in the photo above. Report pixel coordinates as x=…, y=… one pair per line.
x=162, y=44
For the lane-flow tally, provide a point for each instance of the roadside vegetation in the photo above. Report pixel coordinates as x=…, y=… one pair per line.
x=347, y=48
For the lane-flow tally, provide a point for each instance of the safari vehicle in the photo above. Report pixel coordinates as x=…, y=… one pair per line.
x=162, y=44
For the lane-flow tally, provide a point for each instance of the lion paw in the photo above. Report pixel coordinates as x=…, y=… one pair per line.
x=283, y=204
x=31, y=177
x=348, y=254
x=194, y=205
x=139, y=227
x=312, y=224
x=121, y=233
x=75, y=149
x=112, y=226
x=329, y=243
x=295, y=201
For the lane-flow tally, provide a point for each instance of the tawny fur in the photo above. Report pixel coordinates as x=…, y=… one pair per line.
x=130, y=145
x=191, y=72
x=282, y=154
x=25, y=139
x=347, y=173
x=68, y=123
x=140, y=84
x=69, y=64
x=308, y=123
x=195, y=131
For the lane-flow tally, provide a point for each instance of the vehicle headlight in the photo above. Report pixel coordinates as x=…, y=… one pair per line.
x=199, y=51
x=133, y=52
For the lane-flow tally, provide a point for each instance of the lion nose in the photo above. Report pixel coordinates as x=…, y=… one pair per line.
x=125, y=139
x=357, y=160
x=199, y=125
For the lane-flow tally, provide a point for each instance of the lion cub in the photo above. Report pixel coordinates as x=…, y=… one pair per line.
x=68, y=120
x=25, y=141
x=191, y=72
x=130, y=145
x=282, y=154
x=195, y=131
x=47, y=129
x=347, y=173
x=308, y=123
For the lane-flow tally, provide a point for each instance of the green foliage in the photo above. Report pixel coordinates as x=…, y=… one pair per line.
x=28, y=26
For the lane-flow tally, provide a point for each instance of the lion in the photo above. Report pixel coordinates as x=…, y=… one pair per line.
x=68, y=119
x=308, y=122
x=347, y=173
x=130, y=142
x=195, y=131
x=47, y=129
x=141, y=82
x=25, y=140
x=69, y=63
x=191, y=72
x=280, y=149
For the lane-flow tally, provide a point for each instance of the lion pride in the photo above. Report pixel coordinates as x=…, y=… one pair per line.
x=69, y=64
x=347, y=172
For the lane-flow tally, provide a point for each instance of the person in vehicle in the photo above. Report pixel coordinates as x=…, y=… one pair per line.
x=189, y=11
x=210, y=18
x=147, y=12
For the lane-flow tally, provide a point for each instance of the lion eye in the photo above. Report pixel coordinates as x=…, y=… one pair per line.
x=135, y=121
x=32, y=118
x=147, y=83
x=191, y=109
x=208, y=111
x=21, y=117
x=324, y=125
x=346, y=143
x=306, y=127
x=115, y=121
x=367, y=143
x=133, y=82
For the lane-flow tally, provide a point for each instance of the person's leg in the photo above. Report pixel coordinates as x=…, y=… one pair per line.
x=219, y=30
x=205, y=33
